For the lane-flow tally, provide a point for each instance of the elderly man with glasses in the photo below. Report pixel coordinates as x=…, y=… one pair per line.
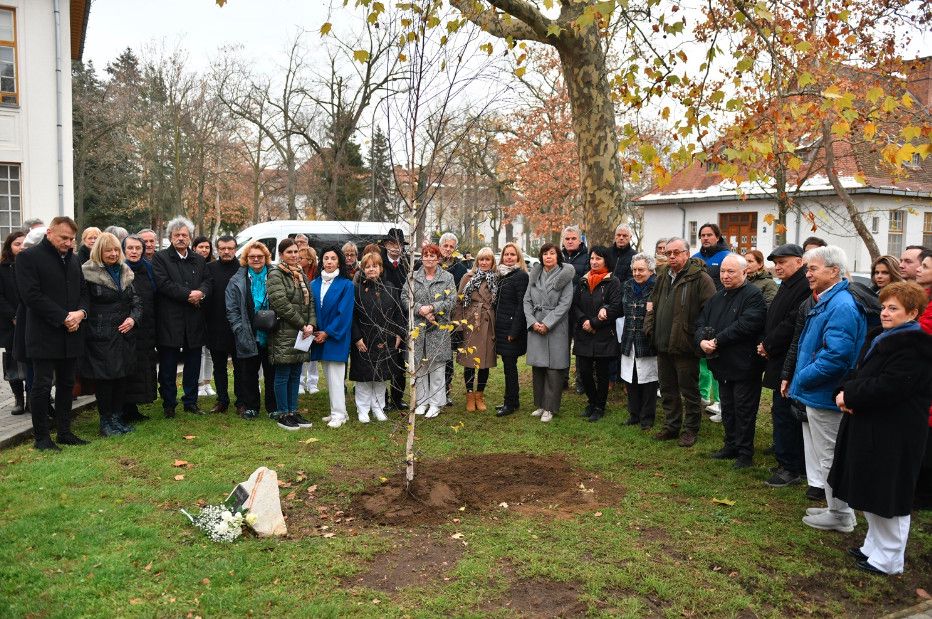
x=682, y=288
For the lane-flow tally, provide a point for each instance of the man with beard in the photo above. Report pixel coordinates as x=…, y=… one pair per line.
x=220, y=341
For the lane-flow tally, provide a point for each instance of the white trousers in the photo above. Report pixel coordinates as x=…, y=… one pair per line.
x=885, y=543
x=309, y=375
x=370, y=397
x=431, y=388
x=812, y=465
x=823, y=429
x=207, y=366
x=336, y=388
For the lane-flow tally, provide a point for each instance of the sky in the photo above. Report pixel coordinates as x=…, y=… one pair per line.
x=262, y=27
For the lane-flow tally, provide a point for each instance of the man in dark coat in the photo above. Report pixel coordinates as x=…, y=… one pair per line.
x=183, y=284
x=681, y=290
x=622, y=253
x=141, y=385
x=54, y=295
x=778, y=335
x=219, y=334
x=727, y=332
x=575, y=254
x=395, y=264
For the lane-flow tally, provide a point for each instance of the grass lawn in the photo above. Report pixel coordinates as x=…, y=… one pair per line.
x=96, y=531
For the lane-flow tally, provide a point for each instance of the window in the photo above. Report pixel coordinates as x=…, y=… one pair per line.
x=875, y=225
x=693, y=233
x=927, y=230
x=9, y=93
x=10, y=214
x=895, y=235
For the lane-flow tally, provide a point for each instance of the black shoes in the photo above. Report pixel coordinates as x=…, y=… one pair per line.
x=867, y=567
x=168, y=411
x=815, y=494
x=46, y=444
x=597, y=413
x=586, y=412
x=134, y=415
x=857, y=554
x=724, y=454
x=742, y=462
x=288, y=422
x=69, y=438
x=301, y=421
x=193, y=409
x=504, y=410
x=781, y=478
x=109, y=429
x=631, y=421
x=249, y=413
x=667, y=435
x=220, y=407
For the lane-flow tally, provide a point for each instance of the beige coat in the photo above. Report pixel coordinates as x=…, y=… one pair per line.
x=478, y=348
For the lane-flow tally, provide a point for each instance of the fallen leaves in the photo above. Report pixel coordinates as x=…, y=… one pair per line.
x=179, y=477
x=727, y=502
x=189, y=437
x=182, y=463
x=308, y=441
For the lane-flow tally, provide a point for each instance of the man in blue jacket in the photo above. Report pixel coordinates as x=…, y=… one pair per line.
x=828, y=349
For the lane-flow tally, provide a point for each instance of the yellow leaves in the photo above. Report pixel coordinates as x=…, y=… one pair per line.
x=905, y=153
x=870, y=130
x=325, y=29
x=840, y=128
x=906, y=100
x=780, y=229
x=769, y=218
x=361, y=55
x=727, y=502
x=415, y=333
x=831, y=92
x=805, y=79
x=803, y=46
x=477, y=360
x=459, y=426
x=487, y=48
x=910, y=132
x=553, y=30
x=761, y=10
x=519, y=72
x=446, y=291
x=874, y=94
x=437, y=296
x=889, y=104
x=795, y=163
x=764, y=148
x=860, y=179
x=648, y=152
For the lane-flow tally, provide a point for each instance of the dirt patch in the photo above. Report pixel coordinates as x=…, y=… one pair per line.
x=539, y=597
x=410, y=563
x=481, y=483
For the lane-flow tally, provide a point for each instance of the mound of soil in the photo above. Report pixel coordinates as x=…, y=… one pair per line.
x=547, y=485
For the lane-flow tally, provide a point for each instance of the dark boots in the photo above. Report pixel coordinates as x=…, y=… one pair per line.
x=131, y=413
x=110, y=425
x=19, y=396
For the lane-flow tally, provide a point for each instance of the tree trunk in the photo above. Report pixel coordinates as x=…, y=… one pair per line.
x=830, y=171
x=583, y=62
x=291, y=184
x=783, y=207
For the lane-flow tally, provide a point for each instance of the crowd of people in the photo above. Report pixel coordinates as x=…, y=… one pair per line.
x=849, y=365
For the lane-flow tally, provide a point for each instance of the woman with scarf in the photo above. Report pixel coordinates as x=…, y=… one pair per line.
x=475, y=313
x=247, y=294
x=434, y=298
x=114, y=310
x=334, y=300
x=14, y=372
x=596, y=305
x=510, y=328
x=309, y=373
x=142, y=383
x=880, y=442
x=290, y=298
x=638, y=355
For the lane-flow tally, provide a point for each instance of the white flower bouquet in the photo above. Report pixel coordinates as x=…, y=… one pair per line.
x=220, y=523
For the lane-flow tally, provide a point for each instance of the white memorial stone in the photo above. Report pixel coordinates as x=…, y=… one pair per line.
x=264, y=503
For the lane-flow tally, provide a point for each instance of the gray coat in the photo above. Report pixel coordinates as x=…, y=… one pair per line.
x=550, y=304
x=432, y=344
x=240, y=312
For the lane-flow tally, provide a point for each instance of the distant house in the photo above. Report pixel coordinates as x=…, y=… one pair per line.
x=897, y=212
x=38, y=41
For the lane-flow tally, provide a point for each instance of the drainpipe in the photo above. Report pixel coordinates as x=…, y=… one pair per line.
x=59, y=105
x=683, y=227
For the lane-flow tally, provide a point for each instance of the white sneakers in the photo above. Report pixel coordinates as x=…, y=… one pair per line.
x=336, y=421
x=716, y=418
x=206, y=390
x=363, y=417
x=827, y=521
x=715, y=408
x=421, y=409
x=432, y=412
x=379, y=415
x=537, y=413
x=546, y=416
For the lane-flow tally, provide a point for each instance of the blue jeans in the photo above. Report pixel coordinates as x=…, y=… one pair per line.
x=787, y=436
x=287, y=382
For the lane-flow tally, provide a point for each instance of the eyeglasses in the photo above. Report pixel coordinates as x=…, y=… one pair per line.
x=256, y=257
x=674, y=252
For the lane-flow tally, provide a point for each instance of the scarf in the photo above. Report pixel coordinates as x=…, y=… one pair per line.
x=115, y=271
x=297, y=276
x=148, y=267
x=912, y=325
x=595, y=277
x=257, y=287
x=639, y=288
x=506, y=270
x=491, y=280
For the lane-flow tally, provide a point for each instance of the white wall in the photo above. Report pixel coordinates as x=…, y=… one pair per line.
x=28, y=134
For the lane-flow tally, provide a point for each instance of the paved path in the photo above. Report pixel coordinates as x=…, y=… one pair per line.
x=15, y=429
x=919, y=611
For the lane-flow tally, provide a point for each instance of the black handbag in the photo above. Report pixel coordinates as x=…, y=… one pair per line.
x=265, y=320
x=799, y=411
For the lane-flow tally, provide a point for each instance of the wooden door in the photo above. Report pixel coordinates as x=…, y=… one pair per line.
x=739, y=230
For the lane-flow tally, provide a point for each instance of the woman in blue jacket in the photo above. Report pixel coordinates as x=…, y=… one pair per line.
x=333, y=300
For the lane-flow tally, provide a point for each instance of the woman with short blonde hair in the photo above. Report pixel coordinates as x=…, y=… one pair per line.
x=476, y=314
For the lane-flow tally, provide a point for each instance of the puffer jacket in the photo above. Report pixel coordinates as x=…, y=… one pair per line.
x=828, y=347
x=509, y=315
x=287, y=301
x=764, y=281
x=676, y=306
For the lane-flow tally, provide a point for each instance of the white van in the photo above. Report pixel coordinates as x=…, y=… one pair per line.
x=319, y=234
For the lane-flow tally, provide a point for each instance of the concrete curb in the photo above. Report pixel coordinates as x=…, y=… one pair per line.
x=23, y=431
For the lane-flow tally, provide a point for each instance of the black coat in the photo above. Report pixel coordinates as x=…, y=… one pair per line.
x=395, y=277
x=634, y=342
x=579, y=260
x=219, y=333
x=50, y=286
x=509, y=315
x=180, y=324
x=9, y=301
x=781, y=323
x=109, y=354
x=737, y=317
x=141, y=385
x=621, y=262
x=377, y=321
x=586, y=306
x=879, y=447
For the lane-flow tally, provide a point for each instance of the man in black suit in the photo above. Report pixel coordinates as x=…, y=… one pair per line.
x=219, y=334
x=183, y=284
x=395, y=265
x=54, y=294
